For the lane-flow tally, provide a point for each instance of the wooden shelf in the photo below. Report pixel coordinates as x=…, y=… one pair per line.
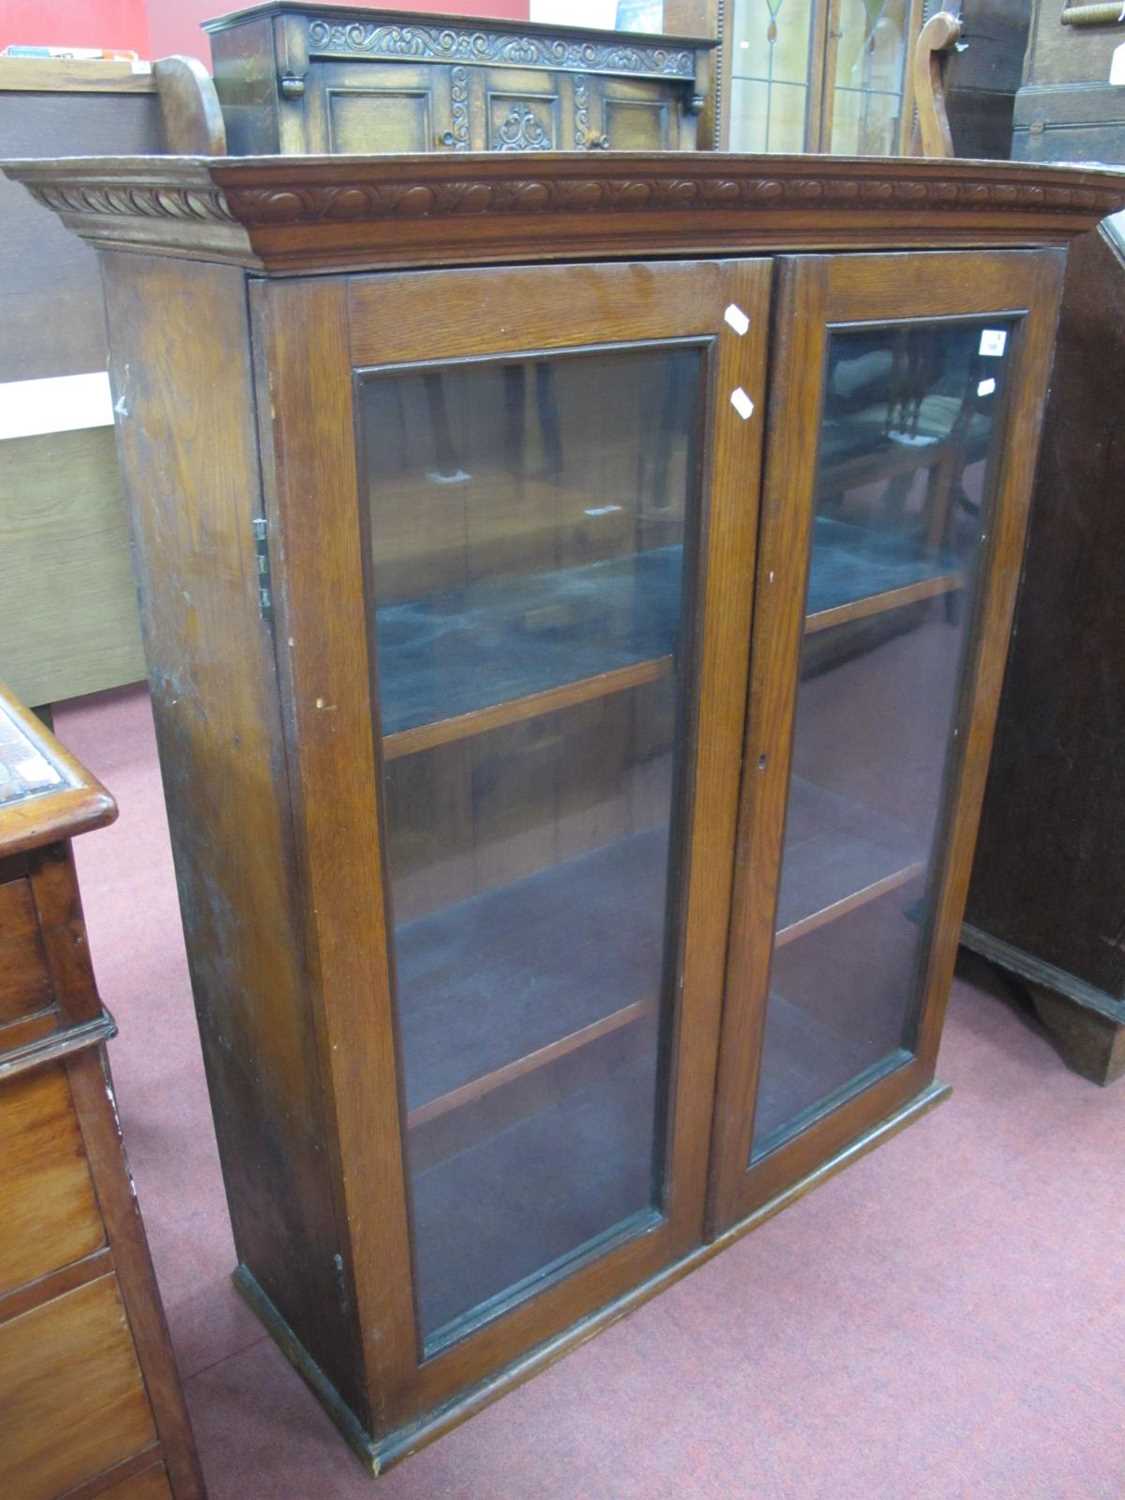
x=857, y=572
x=456, y=663
x=839, y=855
x=515, y=710
x=511, y=1206
x=462, y=663
x=511, y=981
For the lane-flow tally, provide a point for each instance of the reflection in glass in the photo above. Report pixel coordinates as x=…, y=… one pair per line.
x=529, y=522
x=907, y=443
x=769, y=75
x=866, y=107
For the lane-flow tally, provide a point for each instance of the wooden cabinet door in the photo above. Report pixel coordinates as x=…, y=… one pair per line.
x=385, y=107
x=521, y=109
x=906, y=395
x=641, y=115
x=515, y=622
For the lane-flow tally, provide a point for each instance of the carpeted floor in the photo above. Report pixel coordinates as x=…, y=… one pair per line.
x=945, y=1319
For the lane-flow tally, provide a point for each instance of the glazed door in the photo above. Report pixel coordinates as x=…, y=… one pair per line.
x=906, y=396
x=517, y=618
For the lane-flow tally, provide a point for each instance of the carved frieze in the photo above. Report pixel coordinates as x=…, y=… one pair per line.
x=443, y=43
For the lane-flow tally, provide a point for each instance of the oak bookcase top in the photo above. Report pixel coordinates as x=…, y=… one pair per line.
x=284, y=215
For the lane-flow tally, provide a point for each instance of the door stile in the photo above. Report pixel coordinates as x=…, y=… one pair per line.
x=797, y=360
x=301, y=333
x=1041, y=287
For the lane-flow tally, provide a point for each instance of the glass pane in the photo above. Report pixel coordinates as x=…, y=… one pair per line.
x=529, y=520
x=769, y=75
x=907, y=444
x=23, y=771
x=870, y=64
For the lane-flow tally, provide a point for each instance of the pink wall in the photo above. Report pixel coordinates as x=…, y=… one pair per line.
x=156, y=27
x=173, y=25
x=75, y=23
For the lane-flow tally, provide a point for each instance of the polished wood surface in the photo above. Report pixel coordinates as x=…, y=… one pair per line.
x=262, y=579
x=88, y=1387
x=47, y=1201
x=74, y=1355
x=940, y=33
x=73, y=802
x=284, y=215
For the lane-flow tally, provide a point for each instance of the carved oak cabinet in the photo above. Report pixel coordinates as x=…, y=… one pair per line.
x=296, y=77
x=575, y=596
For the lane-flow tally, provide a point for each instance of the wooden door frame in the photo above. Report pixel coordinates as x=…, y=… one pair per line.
x=311, y=335
x=816, y=293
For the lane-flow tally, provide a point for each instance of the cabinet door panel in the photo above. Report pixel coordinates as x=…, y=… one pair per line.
x=640, y=116
x=887, y=571
x=536, y=580
x=382, y=107
x=521, y=110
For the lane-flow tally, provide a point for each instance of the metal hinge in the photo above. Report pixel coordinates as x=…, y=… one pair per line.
x=261, y=529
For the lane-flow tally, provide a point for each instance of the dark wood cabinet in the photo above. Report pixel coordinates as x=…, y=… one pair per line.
x=1045, y=898
x=575, y=620
x=90, y=1401
x=303, y=78
x=1067, y=109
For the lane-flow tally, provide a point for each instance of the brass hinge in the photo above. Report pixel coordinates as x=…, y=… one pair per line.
x=261, y=529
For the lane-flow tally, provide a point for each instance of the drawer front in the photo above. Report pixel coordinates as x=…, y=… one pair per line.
x=25, y=983
x=48, y=1211
x=72, y=1400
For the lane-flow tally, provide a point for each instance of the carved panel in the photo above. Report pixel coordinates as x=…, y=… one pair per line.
x=522, y=50
x=459, y=96
x=521, y=124
x=581, y=112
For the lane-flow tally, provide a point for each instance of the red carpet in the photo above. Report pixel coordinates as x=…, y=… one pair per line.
x=945, y=1319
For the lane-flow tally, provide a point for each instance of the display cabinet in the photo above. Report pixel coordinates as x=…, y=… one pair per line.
x=298, y=77
x=575, y=619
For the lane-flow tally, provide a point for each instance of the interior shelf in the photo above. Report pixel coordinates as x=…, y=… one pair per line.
x=502, y=650
x=857, y=571
x=501, y=1237
x=514, y=979
x=460, y=663
x=839, y=854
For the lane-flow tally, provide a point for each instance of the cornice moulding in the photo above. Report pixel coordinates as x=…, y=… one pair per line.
x=300, y=214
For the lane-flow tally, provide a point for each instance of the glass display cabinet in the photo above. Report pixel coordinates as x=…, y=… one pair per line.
x=818, y=75
x=575, y=599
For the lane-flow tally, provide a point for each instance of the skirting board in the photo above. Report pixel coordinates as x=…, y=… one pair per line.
x=380, y=1455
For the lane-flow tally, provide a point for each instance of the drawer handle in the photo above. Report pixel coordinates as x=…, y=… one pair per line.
x=447, y=138
x=596, y=142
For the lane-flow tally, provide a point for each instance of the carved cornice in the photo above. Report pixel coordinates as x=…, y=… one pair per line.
x=476, y=44
x=299, y=213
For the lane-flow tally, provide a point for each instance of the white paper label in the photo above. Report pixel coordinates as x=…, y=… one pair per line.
x=58, y=403
x=993, y=341
x=986, y=388
x=737, y=318
x=1117, y=61
x=741, y=403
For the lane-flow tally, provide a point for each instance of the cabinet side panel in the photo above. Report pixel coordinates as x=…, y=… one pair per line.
x=1050, y=862
x=183, y=390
